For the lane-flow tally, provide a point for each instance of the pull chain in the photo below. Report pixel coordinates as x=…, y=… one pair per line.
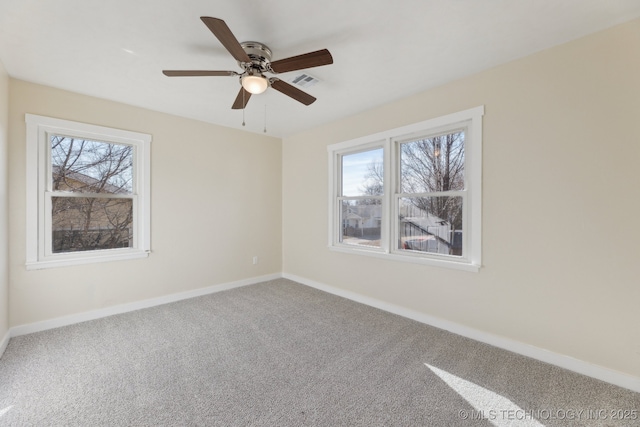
x=265, y=118
x=243, y=106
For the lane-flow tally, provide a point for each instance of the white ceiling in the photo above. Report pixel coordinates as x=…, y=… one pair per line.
x=383, y=50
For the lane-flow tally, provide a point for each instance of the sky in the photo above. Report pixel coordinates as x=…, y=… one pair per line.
x=354, y=168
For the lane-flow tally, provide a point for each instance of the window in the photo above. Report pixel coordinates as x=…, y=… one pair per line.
x=412, y=193
x=361, y=198
x=87, y=193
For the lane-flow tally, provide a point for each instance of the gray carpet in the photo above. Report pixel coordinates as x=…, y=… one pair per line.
x=282, y=354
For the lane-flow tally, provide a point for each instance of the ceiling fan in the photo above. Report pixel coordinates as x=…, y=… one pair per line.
x=255, y=60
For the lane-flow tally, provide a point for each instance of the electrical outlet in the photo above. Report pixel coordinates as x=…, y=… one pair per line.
x=255, y=260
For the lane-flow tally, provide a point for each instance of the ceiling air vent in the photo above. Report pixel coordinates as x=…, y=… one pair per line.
x=304, y=80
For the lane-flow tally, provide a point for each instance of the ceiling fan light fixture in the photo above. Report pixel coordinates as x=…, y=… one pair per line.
x=254, y=83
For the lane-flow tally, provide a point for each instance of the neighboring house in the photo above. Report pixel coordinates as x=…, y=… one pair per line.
x=351, y=220
x=362, y=220
x=89, y=223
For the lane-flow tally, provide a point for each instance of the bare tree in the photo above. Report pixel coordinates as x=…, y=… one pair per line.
x=429, y=165
x=373, y=184
x=435, y=165
x=97, y=170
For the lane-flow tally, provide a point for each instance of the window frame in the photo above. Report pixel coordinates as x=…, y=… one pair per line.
x=390, y=140
x=39, y=192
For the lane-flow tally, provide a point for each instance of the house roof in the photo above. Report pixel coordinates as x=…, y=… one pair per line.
x=89, y=181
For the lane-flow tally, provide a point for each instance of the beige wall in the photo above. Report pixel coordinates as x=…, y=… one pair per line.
x=215, y=203
x=4, y=198
x=561, y=236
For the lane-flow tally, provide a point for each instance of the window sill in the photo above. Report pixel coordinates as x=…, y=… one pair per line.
x=454, y=265
x=65, y=260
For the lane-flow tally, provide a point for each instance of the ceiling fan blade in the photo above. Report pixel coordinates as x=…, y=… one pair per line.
x=292, y=91
x=197, y=73
x=220, y=29
x=306, y=60
x=241, y=100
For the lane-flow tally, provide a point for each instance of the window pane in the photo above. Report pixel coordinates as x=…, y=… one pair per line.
x=433, y=164
x=362, y=173
x=79, y=165
x=361, y=222
x=431, y=224
x=86, y=224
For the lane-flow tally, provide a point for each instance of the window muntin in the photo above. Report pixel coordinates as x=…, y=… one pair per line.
x=88, y=193
x=429, y=192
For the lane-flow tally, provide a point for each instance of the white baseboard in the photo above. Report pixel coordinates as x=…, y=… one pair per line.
x=124, y=308
x=567, y=362
x=5, y=342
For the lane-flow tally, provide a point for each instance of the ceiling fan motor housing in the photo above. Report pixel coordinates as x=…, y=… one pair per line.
x=260, y=56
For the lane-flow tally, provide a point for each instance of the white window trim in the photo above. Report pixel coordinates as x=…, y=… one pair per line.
x=38, y=222
x=472, y=120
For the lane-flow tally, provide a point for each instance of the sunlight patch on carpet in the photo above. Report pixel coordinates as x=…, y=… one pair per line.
x=488, y=405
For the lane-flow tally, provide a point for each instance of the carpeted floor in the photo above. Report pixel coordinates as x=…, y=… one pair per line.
x=283, y=354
